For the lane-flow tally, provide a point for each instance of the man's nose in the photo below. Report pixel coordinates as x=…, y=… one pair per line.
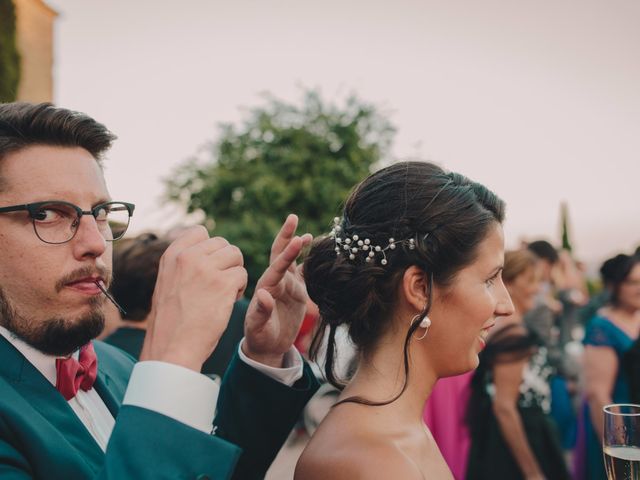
x=88, y=241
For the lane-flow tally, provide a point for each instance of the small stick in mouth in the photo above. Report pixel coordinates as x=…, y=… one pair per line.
x=102, y=289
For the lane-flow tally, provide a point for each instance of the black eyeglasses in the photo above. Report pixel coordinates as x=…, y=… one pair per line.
x=57, y=221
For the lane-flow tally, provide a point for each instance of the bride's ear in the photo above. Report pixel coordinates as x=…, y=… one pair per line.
x=414, y=287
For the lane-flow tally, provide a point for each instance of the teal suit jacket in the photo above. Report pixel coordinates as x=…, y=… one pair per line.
x=42, y=437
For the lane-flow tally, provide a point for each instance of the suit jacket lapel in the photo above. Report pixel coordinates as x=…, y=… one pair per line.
x=47, y=402
x=102, y=386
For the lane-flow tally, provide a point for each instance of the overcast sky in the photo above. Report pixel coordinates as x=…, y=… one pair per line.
x=539, y=100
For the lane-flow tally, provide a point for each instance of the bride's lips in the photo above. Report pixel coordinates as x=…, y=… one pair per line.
x=484, y=333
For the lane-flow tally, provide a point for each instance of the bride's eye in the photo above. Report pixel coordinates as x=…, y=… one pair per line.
x=492, y=280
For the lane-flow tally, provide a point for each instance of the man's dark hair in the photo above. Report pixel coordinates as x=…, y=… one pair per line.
x=25, y=124
x=135, y=269
x=544, y=250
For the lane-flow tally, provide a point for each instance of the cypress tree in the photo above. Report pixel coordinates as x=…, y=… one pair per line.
x=9, y=55
x=564, y=213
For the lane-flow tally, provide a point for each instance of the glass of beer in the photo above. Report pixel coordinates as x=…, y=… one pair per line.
x=621, y=442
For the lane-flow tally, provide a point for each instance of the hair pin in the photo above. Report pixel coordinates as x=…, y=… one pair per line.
x=354, y=245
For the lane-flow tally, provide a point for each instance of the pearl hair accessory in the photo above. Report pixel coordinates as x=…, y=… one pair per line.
x=355, y=245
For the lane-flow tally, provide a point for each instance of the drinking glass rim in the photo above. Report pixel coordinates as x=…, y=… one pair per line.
x=606, y=410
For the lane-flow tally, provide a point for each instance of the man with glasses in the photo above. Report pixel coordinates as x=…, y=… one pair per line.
x=72, y=408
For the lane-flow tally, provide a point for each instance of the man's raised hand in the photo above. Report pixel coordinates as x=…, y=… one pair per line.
x=278, y=305
x=199, y=280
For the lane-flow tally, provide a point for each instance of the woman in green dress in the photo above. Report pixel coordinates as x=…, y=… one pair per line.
x=609, y=337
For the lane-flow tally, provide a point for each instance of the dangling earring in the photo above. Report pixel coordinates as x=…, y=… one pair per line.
x=424, y=323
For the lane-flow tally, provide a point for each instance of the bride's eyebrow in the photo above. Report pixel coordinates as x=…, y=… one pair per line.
x=496, y=271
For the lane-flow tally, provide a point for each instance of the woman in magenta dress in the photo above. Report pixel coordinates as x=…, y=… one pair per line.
x=450, y=430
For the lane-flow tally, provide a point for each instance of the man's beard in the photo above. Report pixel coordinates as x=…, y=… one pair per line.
x=54, y=336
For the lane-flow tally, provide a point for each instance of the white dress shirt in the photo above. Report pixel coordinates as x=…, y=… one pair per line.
x=177, y=392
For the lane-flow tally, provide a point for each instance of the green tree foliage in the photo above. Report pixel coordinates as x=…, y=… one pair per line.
x=9, y=56
x=284, y=158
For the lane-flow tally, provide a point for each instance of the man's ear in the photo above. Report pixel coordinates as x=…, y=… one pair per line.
x=414, y=287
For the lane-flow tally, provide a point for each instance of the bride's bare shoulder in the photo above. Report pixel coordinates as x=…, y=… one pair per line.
x=354, y=458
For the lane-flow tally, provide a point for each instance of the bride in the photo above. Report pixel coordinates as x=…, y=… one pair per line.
x=413, y=269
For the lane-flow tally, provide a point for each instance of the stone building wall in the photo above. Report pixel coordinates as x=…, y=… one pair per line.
x=34, y=32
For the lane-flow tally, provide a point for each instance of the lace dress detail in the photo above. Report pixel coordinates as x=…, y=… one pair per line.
x=534, y=389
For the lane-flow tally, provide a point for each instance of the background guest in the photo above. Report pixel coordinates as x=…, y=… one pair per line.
x=610, y=334
x=511, y=434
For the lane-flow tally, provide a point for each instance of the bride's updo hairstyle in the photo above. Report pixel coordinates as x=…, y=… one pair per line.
x=410, y=213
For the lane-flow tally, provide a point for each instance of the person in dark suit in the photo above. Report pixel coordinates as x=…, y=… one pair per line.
x=71, y=407
x=135, y=270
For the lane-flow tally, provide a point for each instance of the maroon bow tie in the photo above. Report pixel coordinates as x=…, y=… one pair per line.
x=73, y=374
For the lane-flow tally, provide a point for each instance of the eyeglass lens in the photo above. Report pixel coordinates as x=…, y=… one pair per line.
x=58, y=222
